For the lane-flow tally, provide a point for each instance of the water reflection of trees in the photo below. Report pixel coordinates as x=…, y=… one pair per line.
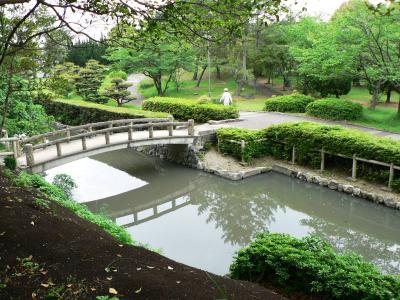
x=385, y=254
x=239, y=211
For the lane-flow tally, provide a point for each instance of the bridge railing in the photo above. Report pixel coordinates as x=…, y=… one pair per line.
x=30, y=148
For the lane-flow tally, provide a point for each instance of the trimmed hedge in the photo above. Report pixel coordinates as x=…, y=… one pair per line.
x=335, y=109
x=295, y=103
x=78, y=112
x=310, y=137
x=310, y=265
x=184, y=109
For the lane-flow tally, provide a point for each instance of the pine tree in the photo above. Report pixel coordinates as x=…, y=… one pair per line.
x=89, y=81
x=118, y=91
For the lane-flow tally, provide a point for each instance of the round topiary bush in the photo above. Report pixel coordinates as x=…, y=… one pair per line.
x=335, y=109
x=289, y=103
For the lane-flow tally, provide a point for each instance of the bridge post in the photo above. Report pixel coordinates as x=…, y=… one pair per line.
x=30, y=160
x=5, y=135
x=170, y=130
x=110, y=126
x=191, y=127
x=151, y=130
x=84, y=147
x=130, y=132
x=107, y=135
x=68, y=133
x=59, y=152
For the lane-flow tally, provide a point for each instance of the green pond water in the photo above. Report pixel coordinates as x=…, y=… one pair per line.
x=202, y=220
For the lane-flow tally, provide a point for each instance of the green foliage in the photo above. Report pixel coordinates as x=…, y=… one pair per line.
x=118, y=74
x=310, y=265
x=62, y=79
x=76, y=112
x=10, y=162
x=64, y=182
x=83, y=51
x=41, y=203
x=335, y=109
x=89, y=80
x=184, y=109
x=289, y=103
x=118, y=91
x=54, y=193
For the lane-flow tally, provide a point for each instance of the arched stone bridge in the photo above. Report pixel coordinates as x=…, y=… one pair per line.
x=42, y=152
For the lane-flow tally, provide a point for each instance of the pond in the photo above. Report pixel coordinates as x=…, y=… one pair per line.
x=202, y=220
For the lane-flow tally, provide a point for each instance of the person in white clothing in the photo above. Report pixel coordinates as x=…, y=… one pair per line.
x=226, y=97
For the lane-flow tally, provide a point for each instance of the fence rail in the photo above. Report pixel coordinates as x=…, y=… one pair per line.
x=392, y=167
x=30, y=148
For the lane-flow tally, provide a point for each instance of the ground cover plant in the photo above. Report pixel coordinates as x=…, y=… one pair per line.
x=185, y=109
x=335, y=109
x=295, y=103
x=311, y=266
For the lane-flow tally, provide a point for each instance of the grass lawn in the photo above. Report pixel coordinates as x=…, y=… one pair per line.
x=189, y=90
x=381, y=118
x=361, y=94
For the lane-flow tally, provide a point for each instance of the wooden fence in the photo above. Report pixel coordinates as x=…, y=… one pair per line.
x=354, y=158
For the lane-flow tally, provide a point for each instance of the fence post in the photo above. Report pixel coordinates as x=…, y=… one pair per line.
x=30, y=160
x=191, y=127
x=391, y=175
x=68, y=133
x=15, y=148
x=110, y=126
x=107, y=135
x=151, y=130
x=170, y=130
x=293, y=155
x=59, y=152
x=354, y=168
x=130, y=132
x=218, y=144
x=242, y=148
x=5, y=135
x=322, y=160
x=84, y=147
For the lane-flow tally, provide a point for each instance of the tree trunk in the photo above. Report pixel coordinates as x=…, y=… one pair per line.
x=201, y=76
x=286, y=82
x=218, y=73
x=157, y=84
x=388, y=95
x=195, y=74
x=375, y=97
x=356, y=82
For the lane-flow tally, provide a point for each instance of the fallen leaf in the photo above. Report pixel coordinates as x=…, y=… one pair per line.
x=29, y=258
x=46, y=285
x=112, y=291
x=178, y=282
x=3, y=233
x=43, y=272
x=119, y=255
x=150, y=267
x=138, y=291
x=33, y=295
x=33, y=223
x=109, y=278
x=92, y=289
x=69, y=285
x=138, y=269
x=120, y=245
x=170, y=268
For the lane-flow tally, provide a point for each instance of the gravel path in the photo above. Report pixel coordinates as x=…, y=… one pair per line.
x=258, y=120
x=135, y=79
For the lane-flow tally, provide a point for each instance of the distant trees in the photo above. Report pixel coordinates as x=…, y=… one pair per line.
x=82, y=51
x=89, y=80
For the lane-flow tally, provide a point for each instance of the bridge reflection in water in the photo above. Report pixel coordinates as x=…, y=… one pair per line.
x=236, y=211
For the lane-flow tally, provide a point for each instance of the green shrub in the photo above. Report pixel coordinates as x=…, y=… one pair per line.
x=295, y=103
x=56, y=194
x=335, y=109
x=10, y=162
x=118, y=74
x=77, y=112
x=310, y=265
x=310, y=137
x=184, y=109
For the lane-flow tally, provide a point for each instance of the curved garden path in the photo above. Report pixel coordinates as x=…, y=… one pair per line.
x=258, y=120
x=135, y=79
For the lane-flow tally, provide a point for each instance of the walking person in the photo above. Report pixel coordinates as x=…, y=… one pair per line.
x=226, y=98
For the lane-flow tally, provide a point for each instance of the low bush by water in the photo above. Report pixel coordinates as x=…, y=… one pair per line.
x=310, y=265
